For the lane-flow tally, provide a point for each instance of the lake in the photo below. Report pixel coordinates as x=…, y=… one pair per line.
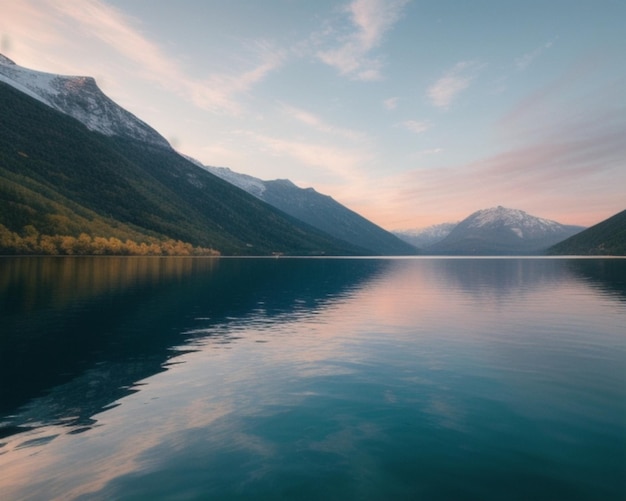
x=333, y=379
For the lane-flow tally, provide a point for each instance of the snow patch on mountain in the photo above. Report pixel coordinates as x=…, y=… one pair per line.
x=81, y=98
x=38, y=85
x=502, y=231
x=423, y=237
x=519, y=222
x=251, y=184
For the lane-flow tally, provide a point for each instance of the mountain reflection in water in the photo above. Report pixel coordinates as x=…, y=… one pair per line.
x=408, y=378
x=79, y=333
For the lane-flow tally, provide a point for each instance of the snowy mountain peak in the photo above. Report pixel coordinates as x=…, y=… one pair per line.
x=423, y=237
x=251, y=184
x=81, y=98
x=500, y=230
x=519, y=222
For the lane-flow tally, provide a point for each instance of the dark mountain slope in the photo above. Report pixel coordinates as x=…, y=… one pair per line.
x=58, y=176
x=80, y=98
x=607, y=238
x=328, y=215
x=319, y=210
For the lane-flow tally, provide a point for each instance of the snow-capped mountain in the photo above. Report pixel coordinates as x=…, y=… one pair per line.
x=81, y=98
x=341, y=228
x=500, y=230
x=58, y=178
x=423, y=237
x=251, y=184
x=318, y=210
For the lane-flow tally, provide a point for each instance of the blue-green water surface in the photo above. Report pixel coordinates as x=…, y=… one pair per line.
x=333, y=379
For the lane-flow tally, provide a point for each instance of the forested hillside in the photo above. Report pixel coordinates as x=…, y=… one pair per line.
x=607, y=238
x=65, y=189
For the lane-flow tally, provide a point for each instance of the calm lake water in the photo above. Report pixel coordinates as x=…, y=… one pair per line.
x=333, y=379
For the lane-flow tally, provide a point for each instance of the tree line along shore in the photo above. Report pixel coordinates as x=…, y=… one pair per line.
x=30, y=242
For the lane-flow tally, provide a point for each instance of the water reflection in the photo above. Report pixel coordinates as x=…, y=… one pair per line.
x=329, y=378
x=500, y=277
x=605, y=275
x=78, y=333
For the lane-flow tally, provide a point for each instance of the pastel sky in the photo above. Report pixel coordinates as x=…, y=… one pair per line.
x=410, y=112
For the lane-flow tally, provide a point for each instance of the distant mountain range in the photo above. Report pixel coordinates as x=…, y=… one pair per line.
x=493, y=231
x=75, y=164
x=425, y=237
x=605, y=238
x=502, y=231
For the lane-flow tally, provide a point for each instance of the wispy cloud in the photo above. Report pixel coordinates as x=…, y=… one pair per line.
x=370, y=20
x=560, y=171
x=220, y=92
x=524, y=61
x=25, y=27
x=343, y=165
x=391, y=103
x=553, y=101
x=445, y=90
x=415, y=126
x=122, y=34
x=431, y=151
x=317, y=123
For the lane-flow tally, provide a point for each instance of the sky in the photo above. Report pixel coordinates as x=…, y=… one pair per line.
x=409, y=112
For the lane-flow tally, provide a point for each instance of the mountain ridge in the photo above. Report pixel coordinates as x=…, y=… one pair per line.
x=155, y=198
x=81, y=98
x=57, y=177
x=607, y=237
x=320, y=211
x=502, y=231
x=425, y=237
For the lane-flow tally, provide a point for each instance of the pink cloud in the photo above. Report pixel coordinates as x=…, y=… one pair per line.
x=114, y=31
x=445, y=90
x=558, y=179
x=417, y=127
x=370, y=21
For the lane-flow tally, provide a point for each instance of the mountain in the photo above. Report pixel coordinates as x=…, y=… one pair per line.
x=607, y=238
x=425, y=237
x=81, y=98
x=502, y=231
x=320, y=211
x=62, y=178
